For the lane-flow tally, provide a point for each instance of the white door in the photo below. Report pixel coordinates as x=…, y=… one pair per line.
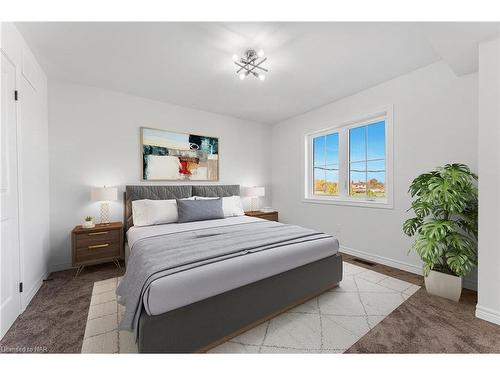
x=10, y=297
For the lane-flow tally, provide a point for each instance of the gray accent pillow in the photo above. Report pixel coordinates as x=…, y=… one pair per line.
x=196, y=210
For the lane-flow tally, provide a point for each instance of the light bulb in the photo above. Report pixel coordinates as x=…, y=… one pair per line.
x=235, y=57
x=260, y=53
x=242, y=76
x=262, y=77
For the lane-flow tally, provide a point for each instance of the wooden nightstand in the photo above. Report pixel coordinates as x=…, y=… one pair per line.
x=272, y=216
x=101, y=244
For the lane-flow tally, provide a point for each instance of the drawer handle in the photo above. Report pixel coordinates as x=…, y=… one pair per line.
x=97, y=233
x=98, y=246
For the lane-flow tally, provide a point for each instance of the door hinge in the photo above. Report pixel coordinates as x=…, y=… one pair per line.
x=16, y=95
x=20, y=287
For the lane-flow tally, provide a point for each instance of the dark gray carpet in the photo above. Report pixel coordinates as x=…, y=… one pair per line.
x=428, y=324
x=55, y=319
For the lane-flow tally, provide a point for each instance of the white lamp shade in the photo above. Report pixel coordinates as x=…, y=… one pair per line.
x=100, y=194
x=255, y=191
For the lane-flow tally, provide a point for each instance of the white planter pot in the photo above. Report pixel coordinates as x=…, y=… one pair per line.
x=88, y=224
x=444, y=285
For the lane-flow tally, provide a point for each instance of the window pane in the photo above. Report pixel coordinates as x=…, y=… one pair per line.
x=358, y=184
x=376, y=184
x=376, y=178
x=332, y=180
x=332, y=148
x=319, y=184
x=376, y=140
x=357, y=179
x=358, y=167
x=357, y=146
x=319, y=150
x=375, y=166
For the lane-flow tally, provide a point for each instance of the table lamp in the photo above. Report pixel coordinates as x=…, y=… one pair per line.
x=255, y=192
x=104, y=195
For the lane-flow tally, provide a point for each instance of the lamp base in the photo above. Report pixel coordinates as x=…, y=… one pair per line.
x=104, y=213
x=252, y=205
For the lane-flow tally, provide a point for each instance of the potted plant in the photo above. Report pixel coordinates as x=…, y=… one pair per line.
x=88, y=223
x=445, y=227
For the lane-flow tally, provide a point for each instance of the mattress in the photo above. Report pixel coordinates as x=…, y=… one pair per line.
x=195, y=284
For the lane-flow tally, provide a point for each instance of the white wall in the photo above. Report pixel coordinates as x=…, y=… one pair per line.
x=488, y=306
x=435, y=122
x=33, y=165
x=94, y=140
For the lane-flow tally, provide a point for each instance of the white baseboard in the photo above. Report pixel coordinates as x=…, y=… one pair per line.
x=34, y=289
x=383, y=260
x=487, y=314
x=60, y=267
x=408, y=267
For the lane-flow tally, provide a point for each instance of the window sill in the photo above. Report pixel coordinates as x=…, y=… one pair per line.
x=384, y=204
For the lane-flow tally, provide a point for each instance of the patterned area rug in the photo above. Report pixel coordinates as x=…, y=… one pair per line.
x=330, y=323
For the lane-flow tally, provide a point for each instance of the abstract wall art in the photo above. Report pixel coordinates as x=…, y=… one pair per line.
x=178, y=156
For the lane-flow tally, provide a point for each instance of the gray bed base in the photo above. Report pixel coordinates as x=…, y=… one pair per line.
x=202, y=325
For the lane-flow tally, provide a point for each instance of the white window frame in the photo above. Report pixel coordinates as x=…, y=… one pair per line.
x=343, y=128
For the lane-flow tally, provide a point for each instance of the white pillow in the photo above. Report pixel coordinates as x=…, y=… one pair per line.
x=231, y=206
x=151, y=212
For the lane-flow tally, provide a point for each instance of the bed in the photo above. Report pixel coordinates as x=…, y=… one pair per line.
x=196, y=306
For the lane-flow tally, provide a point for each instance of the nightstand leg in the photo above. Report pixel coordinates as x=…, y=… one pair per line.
x=117, y=262
x=78, y=270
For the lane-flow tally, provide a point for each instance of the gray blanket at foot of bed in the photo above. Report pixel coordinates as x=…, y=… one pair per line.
x=159, y=256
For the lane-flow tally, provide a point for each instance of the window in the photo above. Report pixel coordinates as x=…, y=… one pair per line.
x=367, y=160
x=350, y=164
x=326, y=164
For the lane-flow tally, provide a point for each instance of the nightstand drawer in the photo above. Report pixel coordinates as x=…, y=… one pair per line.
x=272, y=216
x=97, y=237
x=97, y=251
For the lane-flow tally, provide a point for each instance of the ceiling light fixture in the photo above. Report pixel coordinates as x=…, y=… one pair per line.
x=251, y=64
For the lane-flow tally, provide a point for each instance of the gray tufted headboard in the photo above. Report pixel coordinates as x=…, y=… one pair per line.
x=135, y=192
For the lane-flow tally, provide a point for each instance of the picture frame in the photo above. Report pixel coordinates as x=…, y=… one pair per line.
x=174, y=156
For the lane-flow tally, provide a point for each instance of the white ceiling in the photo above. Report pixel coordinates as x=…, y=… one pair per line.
x=190, y=64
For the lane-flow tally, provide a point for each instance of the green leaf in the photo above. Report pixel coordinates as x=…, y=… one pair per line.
x=427, y=269
x=421, y=208
x=410, y=226
x=418, y=186
x=429, y=250
x=437, y=229
x=459, y=263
